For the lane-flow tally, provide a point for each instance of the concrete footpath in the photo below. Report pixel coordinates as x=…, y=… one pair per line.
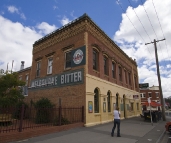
x=133, y=130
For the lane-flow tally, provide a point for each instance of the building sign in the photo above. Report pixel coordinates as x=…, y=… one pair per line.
x=64, y=79
x=78, y=56
x=90, y=107
x=144, y=85
x=135, y=96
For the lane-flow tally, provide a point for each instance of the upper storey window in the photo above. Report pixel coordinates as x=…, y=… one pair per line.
x=105, y=65
x=125, y=76
x=49, y=68
x=68, y=59
x=27, y=76
x=129, y=78
x=120, y=73
x=135, y=81
x=95, y=59
x=113, y=70
x=38, y=68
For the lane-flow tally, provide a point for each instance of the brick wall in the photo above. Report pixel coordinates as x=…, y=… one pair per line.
x=112, y=56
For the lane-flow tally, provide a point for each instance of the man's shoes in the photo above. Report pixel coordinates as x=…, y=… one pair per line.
x=111, y=135
x=118, y=136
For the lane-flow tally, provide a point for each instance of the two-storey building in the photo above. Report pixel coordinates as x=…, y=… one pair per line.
x=80, y=65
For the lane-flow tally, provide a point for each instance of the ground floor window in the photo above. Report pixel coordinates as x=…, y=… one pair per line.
x=132, y=106
x=108, y=101
x=137, y=106
x=96, y=101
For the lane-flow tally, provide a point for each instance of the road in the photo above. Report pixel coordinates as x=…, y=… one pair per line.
x=167, y=136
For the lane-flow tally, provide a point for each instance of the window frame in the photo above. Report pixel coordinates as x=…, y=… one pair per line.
x=120, y=73
x=96, y=101
x=129, y=78
x=105, y=66
x=135, y=81
x=38, y=68
x=109, y=101
x=68, y=60
x=50, y=65
x=26, y=78
x=157, y=94
x=149, y=94
x=113, y=69
x=95, y=59
x=125, y=73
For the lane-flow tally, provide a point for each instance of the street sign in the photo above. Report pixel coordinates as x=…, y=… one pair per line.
x=149, y=100
x=143, y=85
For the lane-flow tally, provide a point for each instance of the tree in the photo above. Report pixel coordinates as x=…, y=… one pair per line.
x=10, y=91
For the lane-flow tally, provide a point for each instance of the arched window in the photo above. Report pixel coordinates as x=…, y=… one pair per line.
x=117, y=100
x=108, y=101
x=96, y=101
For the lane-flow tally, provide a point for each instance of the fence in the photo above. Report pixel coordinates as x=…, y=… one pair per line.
x=22, y=118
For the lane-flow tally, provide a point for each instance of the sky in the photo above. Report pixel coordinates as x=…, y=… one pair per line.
x=131, y=24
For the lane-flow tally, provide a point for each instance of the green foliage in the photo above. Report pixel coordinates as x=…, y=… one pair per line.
x=18, y=108
x=9, y=89
x=43, y=107
x=64, y=121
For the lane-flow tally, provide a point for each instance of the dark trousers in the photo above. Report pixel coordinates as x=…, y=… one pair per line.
x=116, y=122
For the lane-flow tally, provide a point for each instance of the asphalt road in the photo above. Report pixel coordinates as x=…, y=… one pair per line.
x=167, y=136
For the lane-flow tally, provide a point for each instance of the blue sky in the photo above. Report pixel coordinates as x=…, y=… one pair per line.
x=130, y=23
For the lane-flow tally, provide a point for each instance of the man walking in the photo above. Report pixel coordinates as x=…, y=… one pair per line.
x=116, y=113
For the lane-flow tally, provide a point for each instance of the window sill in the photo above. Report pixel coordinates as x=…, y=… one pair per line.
x=95, y=71
x=49, y=74
x=97, y=114
x=67, y=69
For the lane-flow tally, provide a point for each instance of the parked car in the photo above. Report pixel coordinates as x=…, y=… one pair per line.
x=168, y=126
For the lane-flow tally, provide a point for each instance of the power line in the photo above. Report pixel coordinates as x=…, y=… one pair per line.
x=131, y=22
x=160, y=26
x=139, y=20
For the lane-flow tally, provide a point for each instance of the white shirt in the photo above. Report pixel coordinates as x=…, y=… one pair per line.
x=116, y=114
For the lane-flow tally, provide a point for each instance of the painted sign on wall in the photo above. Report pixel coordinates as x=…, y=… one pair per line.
x=64, y=79
x=78, y=56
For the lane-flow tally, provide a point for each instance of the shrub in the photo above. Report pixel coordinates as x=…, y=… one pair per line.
x=43, y=107
x=64, y=121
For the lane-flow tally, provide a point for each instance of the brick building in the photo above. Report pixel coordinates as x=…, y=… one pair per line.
x=152, y=92
x=79, y=64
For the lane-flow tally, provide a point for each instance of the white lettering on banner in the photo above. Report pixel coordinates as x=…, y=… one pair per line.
x=72, y=77
x=75, y=76
x=79, y=76
x=53, y=80
x=62, y=79
x=56, y=80
x=40, y=82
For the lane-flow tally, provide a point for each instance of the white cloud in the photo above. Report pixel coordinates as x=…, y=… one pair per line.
x=64, y=20
x=45, y=28
x=13, y=9
x=55, y=7
x=17, y=42
x=145, y=54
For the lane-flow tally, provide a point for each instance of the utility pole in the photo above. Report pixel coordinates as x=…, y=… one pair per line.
x=159, y=80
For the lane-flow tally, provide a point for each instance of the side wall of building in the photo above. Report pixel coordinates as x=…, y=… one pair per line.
x=70, y=95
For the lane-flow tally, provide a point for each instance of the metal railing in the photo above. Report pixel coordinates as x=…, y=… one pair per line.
x=19, y=119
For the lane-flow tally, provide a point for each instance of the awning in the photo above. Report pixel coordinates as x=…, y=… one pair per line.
x=154, y=104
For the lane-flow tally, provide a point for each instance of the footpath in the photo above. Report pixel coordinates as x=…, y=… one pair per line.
x=133, y=130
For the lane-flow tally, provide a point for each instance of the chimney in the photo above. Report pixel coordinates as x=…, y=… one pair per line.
x=22, y=65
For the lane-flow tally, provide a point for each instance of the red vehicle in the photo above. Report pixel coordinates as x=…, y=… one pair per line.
x=168, y=126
